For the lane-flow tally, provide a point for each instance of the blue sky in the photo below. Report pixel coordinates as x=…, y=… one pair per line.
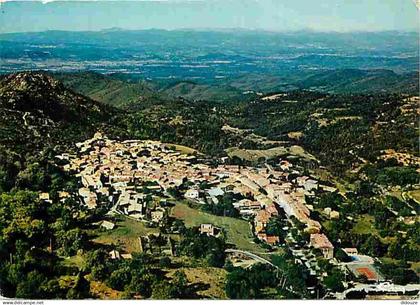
x=275, y=15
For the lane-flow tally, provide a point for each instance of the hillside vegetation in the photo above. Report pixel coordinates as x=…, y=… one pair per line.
x=48, y=249
x=127, y=90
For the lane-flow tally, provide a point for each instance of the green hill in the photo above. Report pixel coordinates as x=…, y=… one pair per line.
x=207, y=92
x=108, y=89
x=361, y=81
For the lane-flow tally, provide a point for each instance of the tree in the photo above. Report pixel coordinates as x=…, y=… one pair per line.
x=373, y=246
x=330, y=200
x=174, y=192
x=294, y=274
x=400, y=273
x=30, y=286
x=21, y=213
x=80, y=290
x=334, y=281
x=223, y=208
x=53, y=290
x=162, y=290
x=199, y=246
x=178, y=226
x=180, y=285
x=70, y=241
x=238, y=285
x=33, y=177
x=97, y=262
x=342, y=256
x=275, y=227
x=215, y=259
x=119, y=278
x=248, y=283
x=141, y=282
x=165, y=262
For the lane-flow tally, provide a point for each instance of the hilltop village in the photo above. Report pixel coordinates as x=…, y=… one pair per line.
x=115, y=170
x=137, y=178
x=218, y=172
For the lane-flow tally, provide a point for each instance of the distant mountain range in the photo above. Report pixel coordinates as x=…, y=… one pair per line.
x=215, y=65
x=207, y=56
x=120, y=90
x=39, y=111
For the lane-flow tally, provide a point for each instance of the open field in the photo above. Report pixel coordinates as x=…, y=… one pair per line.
x=255, y=155
x=74, y=261
x=238, y=230
x=97, y=289
x=351, y=118
x=415, y=195
x=295, y=135
x=182, y=149
x=102, y=291
x=66, y=281
x=207, y=282
x=248, y=135
x=125, y=234
x=365, y=225
x=415, y=266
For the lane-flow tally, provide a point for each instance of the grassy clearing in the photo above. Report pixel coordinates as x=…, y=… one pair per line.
x=364, y=225
x=351, y=118
x=238, y=230
x=246, y=134
x=397, y=193
x=125, y=234
x=208, y=282
x=324, y=175
x=295, y=135
x=415, y=195
x=101, y=291
x=67, y=281
x=300, y=152
x=73, y=261
x=415, y=266
x=255, y=155
x=389, y=260
x=182, y=149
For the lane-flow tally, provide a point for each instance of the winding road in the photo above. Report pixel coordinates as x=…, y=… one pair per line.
x=252, y=255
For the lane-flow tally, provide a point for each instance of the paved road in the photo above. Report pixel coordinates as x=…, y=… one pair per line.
x=252, y=255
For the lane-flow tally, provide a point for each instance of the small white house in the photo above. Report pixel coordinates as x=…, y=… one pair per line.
x=107, y=225
x=192, y=194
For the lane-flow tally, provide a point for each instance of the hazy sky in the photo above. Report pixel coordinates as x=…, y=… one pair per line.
x=277, y=15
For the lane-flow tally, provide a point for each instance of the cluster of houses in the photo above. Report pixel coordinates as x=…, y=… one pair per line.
x=123, y=175
x=116, y=173
x=129, y=177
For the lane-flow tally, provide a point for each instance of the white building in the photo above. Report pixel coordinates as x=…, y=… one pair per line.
x=192, y=194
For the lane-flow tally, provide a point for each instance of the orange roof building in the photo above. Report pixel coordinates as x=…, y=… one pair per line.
x=320, y=241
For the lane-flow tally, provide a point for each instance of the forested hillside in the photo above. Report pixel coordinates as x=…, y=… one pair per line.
x=109, y=90
x=122, y=90
x=342, y=130
x=366, y=143
x=38, y=116
x=346, y=132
